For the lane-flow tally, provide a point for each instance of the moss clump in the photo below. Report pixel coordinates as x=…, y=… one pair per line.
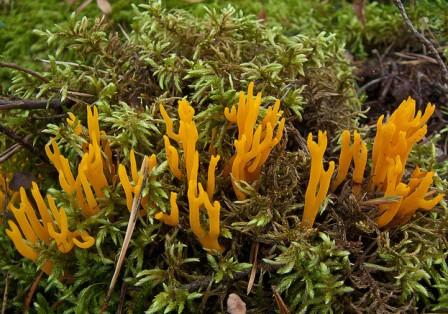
x=345, y=264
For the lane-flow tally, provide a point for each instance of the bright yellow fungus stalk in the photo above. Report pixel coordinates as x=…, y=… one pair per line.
x=173, y=218
x=187, y=137
x=197, y=198
x=319, y=180
x=131, y=190
x=412, y=198
x=254, y=144
x=356, y=152
x=91, y=178
x=29, y=229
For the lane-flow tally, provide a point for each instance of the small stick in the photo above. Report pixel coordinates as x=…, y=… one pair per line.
x=30, y=104
x=29, y=296
x=5, y=294
x=10, y=152
x=23, y=142
x=422, y=38
x=25, y=70
x=128, y=235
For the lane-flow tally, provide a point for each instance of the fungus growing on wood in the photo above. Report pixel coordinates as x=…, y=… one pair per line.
x=254, y=144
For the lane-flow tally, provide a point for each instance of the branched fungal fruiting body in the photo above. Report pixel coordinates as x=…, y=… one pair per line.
x=356, y=152
x=319, y=181
x=391, y=148
x=187, y=137
x=396, y=137
x=30, y=229
x=91, y=178
x=131, y=190
x=253, y=145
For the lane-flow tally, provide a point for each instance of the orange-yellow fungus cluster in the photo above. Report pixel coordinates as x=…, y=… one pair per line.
x=131, y=190
x=91, y=178
x=396, y=137
x=393, y=143
x=52, y=226
x=253, y=145
x=319, y=180
x=187, y=137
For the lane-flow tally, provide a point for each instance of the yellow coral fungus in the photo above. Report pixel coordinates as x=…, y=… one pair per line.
x=254, y=144
x=197, y=198
x=187, y=137
x=392, y=145
x=91, y=178
x=173, y=218
x=319, y=180
x=33, y=229
x=131, y=190
x=356, y=152
x=396, y=137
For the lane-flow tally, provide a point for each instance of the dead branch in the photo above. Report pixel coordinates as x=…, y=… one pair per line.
x=422, y=38
x=5, y=294
x=129, y=231
x=24, y=70
x=22, y=141
x=30, y=104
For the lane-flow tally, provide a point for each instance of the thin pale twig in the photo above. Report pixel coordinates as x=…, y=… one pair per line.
x=5, y=294
x=129, y=232
x=12, y=150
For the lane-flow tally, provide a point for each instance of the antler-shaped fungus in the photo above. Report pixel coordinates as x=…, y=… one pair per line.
x=319, y=178
x=90, y=169
x=356, y=152
x=396, y=137
x=43, y=229
x=187, y=137
x=253, y=146
x=131, y=190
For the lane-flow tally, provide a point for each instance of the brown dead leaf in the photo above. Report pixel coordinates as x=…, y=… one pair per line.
x=104, y=6
x=358, y=7
x=253, y=260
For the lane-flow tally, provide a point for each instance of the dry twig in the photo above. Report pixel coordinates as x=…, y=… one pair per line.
x=422, y=38
x=30, y=104
x=129, y=232
x=24, y=70
x=5, y=294
x=29, y=296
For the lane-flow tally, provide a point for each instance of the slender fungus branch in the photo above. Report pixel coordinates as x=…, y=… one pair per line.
x=319, y=180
